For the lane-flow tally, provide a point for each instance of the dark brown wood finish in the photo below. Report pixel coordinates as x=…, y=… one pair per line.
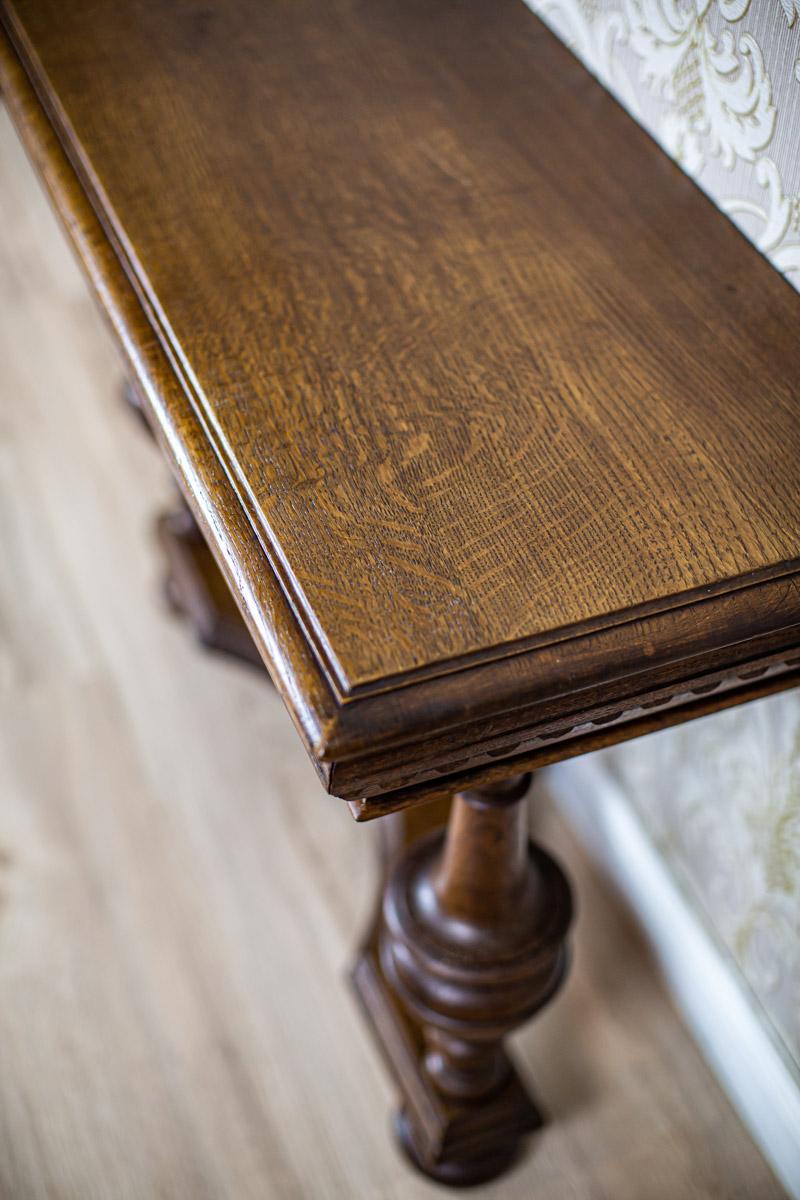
x=364, y=229
x=471, y=942
x=488, y=416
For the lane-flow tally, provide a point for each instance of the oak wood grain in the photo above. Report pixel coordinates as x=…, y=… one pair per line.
x=476, y=354
x=487, y=413
x=178, y=903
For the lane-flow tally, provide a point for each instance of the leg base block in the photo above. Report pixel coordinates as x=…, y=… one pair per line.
x=457, y=1171
x=454, y=1142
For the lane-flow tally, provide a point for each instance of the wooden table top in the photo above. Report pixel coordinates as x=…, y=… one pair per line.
x=490, y=417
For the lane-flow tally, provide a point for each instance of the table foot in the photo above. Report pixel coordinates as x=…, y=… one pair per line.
x=469, y=942
x=455, y=1167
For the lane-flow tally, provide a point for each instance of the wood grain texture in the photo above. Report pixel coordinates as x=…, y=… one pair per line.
x=469, y=943
x=431, y=287
x=179, y=903
x=488, y=415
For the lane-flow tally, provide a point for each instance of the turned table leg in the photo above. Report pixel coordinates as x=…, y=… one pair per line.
x=470, y=941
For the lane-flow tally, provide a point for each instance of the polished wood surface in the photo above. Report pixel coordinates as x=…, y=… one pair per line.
x=488, y=416
x=470, y=942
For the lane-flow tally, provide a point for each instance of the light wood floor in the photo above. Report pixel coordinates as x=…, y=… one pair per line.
x=179, y=900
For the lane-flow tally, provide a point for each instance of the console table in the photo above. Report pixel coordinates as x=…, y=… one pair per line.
x=488, y=418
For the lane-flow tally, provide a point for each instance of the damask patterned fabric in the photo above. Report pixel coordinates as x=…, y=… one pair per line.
x=717, y=83
x=720, y=798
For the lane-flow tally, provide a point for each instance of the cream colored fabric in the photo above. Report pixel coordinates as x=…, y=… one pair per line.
x=721, y=800
x=717, y=83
